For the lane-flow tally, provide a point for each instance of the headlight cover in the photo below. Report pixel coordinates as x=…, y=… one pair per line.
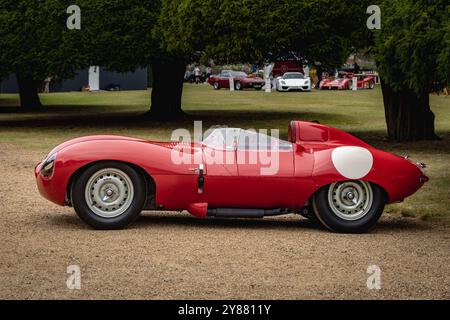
x=48, y=166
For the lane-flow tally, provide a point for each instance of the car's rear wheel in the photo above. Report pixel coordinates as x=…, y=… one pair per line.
x=216, y=85
x=238, y=86
x=349, y=206
x=109, y=195
x=371, y=85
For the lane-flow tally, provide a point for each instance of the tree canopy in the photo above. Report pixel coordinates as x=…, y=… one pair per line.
x=118, y=34
x=413, y=46
x=35, y=42
x=412, y=52
x=259, y=31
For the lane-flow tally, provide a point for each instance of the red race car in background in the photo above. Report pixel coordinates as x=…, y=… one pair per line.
x=241, y=80
x=322, y=173
x=344, y=81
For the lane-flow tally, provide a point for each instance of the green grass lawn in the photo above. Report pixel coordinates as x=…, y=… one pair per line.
x=71, y=115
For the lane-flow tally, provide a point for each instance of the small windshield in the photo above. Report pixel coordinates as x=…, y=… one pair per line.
x=222, y=139
x=252, y=140
x=294, y=76
x=231, y=138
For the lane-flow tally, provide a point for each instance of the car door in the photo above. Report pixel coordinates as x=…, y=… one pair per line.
x=266, y=171
x=221, y=188
x=224, y=79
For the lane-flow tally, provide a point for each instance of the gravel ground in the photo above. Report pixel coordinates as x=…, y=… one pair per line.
x=175, y=256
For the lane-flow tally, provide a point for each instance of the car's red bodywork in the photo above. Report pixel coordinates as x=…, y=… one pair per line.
x=246, y=81
x=304, y=169
x=283, y=66
x=345, y=79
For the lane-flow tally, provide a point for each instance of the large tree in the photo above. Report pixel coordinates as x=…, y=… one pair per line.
x=121, y=36
x=413, y=56
x=34, y=45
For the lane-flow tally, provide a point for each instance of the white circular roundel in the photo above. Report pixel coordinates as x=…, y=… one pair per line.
x=352, y=162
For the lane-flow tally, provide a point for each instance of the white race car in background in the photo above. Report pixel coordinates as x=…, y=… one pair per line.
x=291, y=81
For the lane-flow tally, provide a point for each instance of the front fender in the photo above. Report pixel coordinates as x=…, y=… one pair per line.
x=152, y=158
x=398, y=177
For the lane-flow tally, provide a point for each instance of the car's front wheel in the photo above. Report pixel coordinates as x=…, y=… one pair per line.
x=349, y=206
x=109, y=195
x=216, y=85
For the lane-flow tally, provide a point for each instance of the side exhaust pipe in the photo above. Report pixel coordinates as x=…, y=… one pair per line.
x=244, y=213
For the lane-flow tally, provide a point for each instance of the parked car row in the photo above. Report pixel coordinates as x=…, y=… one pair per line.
x=290, y=81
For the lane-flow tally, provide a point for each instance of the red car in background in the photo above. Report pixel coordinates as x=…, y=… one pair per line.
x=344, y=81
x=241, y=80
x=365, y=81
x=282, y=67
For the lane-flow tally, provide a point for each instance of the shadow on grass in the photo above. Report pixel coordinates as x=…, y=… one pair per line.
x=100, y=116
x=115, y=118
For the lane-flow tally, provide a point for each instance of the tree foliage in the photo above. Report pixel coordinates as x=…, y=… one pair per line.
x=413, y=46
x=258, y=31
x=118, y=34
x=34, y=40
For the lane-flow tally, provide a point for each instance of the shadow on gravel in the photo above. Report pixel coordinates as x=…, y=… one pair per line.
x=399, y=223
x=147, y=221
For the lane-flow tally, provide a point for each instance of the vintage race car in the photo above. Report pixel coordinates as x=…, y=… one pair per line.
x=293, y=81
x=321, y=173
x=365, y=81
x=240, y=79
x=344, y=81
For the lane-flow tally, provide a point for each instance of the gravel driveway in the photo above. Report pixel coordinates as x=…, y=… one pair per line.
x=175, y=256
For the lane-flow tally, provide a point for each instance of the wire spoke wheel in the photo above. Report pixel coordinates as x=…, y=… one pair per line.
x=350, y=200
x=109, y=192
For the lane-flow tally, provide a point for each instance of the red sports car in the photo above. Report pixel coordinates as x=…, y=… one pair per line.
x=322, y=173
x=241, y=80
x=344, y=81
x=365, y=81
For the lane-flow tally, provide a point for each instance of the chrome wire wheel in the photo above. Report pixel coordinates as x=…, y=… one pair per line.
x=109, y=192
x=350, y=200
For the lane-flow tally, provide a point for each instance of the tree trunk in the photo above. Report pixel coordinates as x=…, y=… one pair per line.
x=408, y=115
x=168, y=80
x=28, y=92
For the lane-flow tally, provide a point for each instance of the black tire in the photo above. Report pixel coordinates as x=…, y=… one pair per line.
x=238, y=86
x=216, y=86
x=310, y=215
x=334, y=223
x=371, y=85
x=125, y=218
x=258, y=88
